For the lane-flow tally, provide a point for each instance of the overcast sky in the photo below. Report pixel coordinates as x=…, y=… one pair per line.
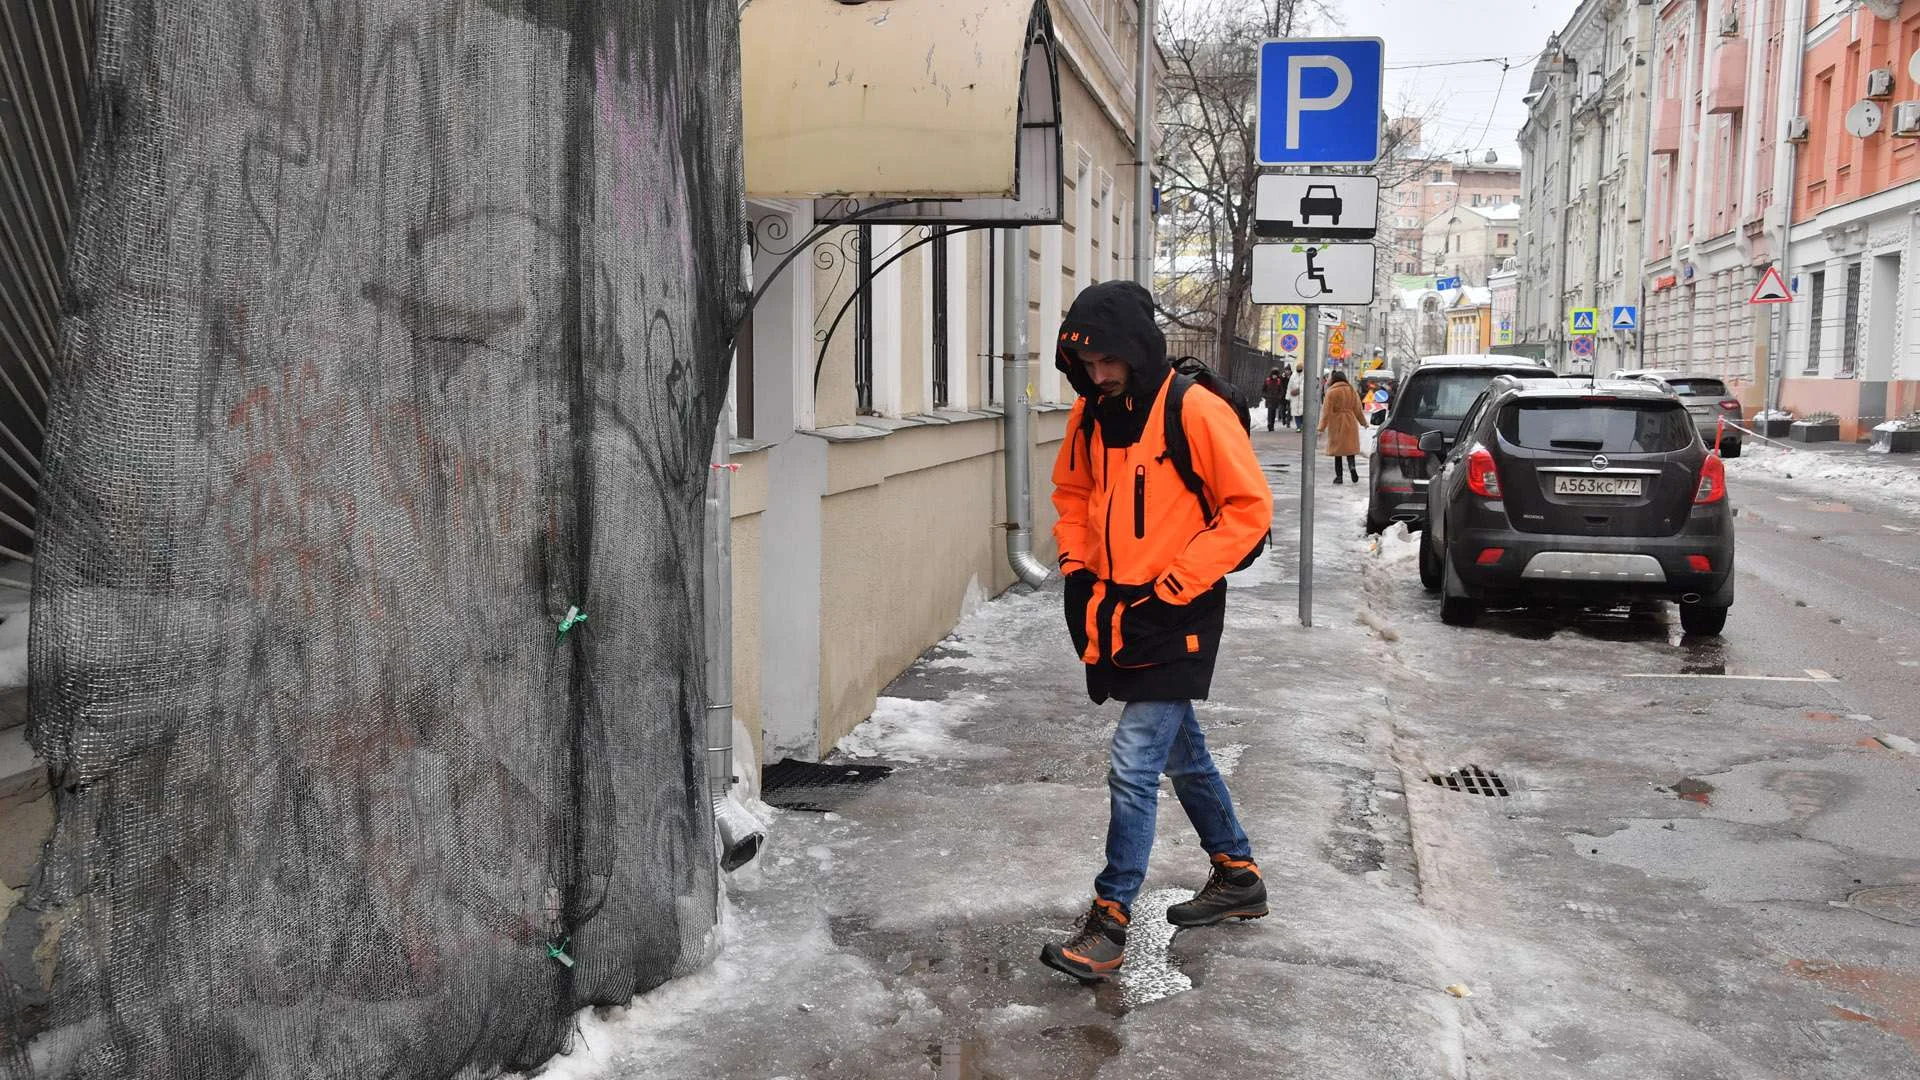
x=1466, y=100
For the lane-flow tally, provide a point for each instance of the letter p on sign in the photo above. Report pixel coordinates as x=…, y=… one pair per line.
x=1297, y=100
x=1319, y=101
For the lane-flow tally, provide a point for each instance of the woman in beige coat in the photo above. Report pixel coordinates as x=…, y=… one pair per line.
x=1340, y=418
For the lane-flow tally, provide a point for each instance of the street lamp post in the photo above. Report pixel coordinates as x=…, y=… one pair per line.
x=1570, y=69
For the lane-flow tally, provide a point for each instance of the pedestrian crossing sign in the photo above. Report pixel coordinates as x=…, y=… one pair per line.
x=1290, y=320
x=1583, y=320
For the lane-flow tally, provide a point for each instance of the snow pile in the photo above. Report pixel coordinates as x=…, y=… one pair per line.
x=13, y=639
x=912, y=731
x=1397, y=547
x=1834, y=475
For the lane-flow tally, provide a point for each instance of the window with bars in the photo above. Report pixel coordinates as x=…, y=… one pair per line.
x=1850, y=323
x=863, y=324
x=939, y=291
x=1816, y=312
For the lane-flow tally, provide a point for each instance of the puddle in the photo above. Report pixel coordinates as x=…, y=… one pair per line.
x=1695, y=791
x=1067, y=1052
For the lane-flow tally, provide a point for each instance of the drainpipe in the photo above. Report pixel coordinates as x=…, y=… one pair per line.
x=1143, y=149
x=1793, y=55
x=1014, y=410
x=739, y=834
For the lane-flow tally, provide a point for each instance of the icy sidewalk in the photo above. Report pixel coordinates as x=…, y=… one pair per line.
x=899, y=936
x=1835, y=471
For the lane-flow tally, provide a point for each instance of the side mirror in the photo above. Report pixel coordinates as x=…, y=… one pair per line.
x=1433, y=443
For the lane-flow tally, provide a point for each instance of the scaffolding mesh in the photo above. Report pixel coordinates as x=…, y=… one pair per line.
x=394, y=331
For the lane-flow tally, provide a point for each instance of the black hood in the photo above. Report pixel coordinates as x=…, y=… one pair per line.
x=1116, y=318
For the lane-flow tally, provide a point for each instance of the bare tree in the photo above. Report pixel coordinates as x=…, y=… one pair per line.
x=1208, y=162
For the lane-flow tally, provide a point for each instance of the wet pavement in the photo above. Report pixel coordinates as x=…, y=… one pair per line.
x=1701, y=858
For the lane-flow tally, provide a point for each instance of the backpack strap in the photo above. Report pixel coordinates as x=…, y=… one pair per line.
x=1178, y=450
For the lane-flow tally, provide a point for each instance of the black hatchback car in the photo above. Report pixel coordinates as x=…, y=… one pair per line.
x=1434, y=398
x=1569, y=490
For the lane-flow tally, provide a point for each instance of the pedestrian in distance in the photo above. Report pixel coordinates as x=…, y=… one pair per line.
x=1273, y=393
x=1340, y=419
x=1296, y=408
x=1160, y=497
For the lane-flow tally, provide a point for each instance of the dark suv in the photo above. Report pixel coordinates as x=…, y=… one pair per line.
x=1570, y=490
x=1434, y=398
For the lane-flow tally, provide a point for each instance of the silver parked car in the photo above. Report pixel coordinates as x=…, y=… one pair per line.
x=1707, y=400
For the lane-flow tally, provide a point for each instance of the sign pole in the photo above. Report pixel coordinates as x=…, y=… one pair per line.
x=1309, y=436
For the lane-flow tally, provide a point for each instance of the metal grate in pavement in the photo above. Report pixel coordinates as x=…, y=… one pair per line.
x=811, y=785
x=1473, y=780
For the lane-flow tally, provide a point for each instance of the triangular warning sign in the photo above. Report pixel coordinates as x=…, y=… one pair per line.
x=1772, y=289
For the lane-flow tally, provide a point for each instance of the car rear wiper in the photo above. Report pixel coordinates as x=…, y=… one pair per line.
x=1575, y=444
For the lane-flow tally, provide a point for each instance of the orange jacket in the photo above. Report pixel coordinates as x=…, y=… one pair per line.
x=1126, y=515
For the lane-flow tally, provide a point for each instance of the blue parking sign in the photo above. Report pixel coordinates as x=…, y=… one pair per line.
x=1319, y=101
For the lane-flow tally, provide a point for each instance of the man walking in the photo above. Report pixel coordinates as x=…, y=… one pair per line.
x=1274, y=393
x=1145, y=553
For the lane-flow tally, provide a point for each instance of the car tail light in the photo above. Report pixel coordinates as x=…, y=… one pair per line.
x=1700, y=564
x=1489, y=556
x=1713, y=481
x=1399, y=444
x=1731, y=405
x=1482, y=477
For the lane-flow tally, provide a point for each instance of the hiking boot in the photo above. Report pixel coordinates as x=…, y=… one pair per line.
x=1234, y=891
x=1095, y=952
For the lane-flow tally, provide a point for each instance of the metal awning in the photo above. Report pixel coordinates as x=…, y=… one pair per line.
x=953, y=108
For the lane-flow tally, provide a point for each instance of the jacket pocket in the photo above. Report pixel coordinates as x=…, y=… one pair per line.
x=1148, y=631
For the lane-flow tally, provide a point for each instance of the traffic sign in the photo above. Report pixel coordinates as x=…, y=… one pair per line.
x=1313, y=273
x=1319, y=101
x=1583, y=320
x=1772, y=289
x=1289, y=343
x=1445, y=283
x=1583, y=346
x=1292, y=319
x=1626, y=318
x=1289, y=207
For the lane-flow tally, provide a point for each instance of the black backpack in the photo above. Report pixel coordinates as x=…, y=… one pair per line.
x=1188, y=372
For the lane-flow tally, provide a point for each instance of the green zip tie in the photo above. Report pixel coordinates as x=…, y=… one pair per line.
x=559, y=952
x=574, y=618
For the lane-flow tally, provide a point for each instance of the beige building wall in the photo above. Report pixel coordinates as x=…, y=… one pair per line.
x=910, y=503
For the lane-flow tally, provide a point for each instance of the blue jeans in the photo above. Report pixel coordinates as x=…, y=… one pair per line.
x=1155, y=737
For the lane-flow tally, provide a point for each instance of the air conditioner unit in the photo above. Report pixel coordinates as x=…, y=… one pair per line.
x=1906, y=119
x=1797, y=129
x=1880, y=83
x=1730, y=23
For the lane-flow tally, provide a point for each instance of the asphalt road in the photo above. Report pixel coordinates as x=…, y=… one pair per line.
x=1707, y=840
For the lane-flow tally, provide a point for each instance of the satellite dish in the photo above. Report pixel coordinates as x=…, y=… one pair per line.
x=1863, y=119
x=1886, y=9
x=1913, y=65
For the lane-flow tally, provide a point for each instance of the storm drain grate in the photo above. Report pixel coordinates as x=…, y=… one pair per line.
x=811, y=785
x=1473, y=780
